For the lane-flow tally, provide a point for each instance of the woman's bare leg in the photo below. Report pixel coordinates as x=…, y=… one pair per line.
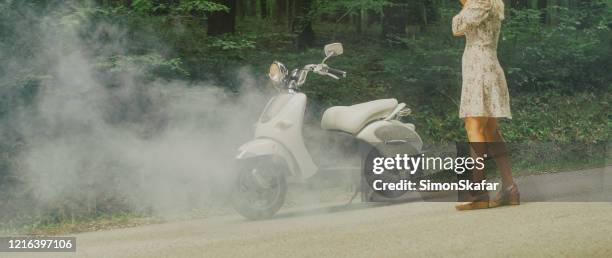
x=476, y=128
x=497, y=148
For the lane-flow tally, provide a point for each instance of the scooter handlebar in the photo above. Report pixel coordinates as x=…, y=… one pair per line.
x=321, y=69
x=336, y=72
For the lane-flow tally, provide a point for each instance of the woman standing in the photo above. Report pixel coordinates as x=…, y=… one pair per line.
x=484, y=96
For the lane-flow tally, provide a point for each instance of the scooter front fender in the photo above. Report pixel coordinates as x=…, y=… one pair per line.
x=268, y=147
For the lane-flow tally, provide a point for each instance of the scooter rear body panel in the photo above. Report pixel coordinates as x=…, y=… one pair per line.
x=392, y=137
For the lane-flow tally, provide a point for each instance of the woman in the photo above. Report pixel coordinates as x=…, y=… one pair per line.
x=484, y=96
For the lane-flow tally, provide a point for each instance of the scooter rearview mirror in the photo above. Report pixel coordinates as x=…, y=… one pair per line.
x=334, y=49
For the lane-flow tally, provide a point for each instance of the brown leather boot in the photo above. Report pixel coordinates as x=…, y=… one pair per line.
x=480, y=201
x=507, y=196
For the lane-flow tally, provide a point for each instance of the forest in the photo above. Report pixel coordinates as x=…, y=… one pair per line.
x=549, y=49
x=557, y=56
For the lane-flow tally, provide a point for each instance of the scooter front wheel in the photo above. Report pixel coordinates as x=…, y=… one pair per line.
x=260, y=189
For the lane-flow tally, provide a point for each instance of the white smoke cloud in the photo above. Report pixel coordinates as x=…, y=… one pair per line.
x=165, y=145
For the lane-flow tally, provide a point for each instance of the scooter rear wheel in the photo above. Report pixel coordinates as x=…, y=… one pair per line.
x=391, y=176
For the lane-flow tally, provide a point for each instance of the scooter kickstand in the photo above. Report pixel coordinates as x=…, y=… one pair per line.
x=353, y=197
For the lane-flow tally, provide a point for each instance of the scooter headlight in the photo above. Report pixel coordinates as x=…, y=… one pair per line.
x=278, y=72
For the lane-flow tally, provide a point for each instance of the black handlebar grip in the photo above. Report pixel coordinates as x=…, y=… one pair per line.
x=336, y=72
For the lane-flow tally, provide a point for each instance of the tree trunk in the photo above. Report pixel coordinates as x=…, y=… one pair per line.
x=222, y=22
x=252, y=7
x=241, y=9
x=519, y=4
x=281, y=11
x=302, y=24
x=543, y=7
x=290, y=13
x=394, y=20
x=263, y=6
x=419, y=14
x=432, y=10
x=363, y=21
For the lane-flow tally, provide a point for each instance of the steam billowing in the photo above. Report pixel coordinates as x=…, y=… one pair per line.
x=87, y=140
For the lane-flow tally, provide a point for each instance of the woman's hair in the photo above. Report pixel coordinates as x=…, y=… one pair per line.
x=498, y=8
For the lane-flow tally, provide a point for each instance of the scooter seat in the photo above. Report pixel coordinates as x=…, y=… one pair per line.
x=352, y=119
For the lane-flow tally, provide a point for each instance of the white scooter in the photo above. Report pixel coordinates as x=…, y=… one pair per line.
x=279, y=155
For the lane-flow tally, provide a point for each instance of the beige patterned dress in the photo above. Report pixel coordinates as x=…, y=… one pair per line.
x=484, y=92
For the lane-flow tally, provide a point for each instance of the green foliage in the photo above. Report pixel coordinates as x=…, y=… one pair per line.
x=200, y=6
x=182, y=7
x=553, y=116
x=566, y=56
x=231, y=43
x=350, y=7
x=146, y=6
x=141, y=64
x=569, y=56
